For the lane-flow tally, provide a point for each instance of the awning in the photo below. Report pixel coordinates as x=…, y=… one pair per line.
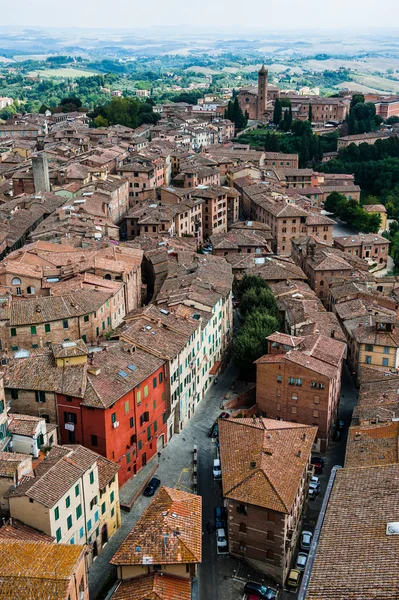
x=215, y=368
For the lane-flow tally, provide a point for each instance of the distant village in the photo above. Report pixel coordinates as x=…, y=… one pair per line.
x=124, y=253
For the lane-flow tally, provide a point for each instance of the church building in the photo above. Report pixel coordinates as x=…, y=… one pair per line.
x=255, y=100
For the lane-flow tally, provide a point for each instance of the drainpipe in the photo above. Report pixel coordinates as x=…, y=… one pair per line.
x=312, y=553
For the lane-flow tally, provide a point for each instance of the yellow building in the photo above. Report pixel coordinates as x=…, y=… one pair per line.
x=378, y=209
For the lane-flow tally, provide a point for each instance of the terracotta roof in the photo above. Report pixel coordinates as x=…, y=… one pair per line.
x=46, y=577
x=263, y=460
x=380, y=208
x=283, y=338
x=120, y=372
x=355, y=558
x=57, y=474
x=23, y=424
x=69, y=349
x=10, y=461
x=156, y=586
x=107, y=470
x=16, y=530
x=360, y=239
x=372, y=445
x=168, y=532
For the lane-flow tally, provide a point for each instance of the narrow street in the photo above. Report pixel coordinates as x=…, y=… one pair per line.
x=175, y=470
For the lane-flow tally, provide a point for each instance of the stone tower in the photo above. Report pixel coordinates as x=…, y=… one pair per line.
x=40, y=173
x=262, y=92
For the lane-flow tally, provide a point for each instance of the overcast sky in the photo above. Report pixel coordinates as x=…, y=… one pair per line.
x=220, y=13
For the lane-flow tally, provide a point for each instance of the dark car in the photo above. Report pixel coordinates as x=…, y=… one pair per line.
x=265, y=593
x=213, y=431
x=318, y=464
x=223, y=415
x=152, y=486
x=341, y=425
x=220, y=517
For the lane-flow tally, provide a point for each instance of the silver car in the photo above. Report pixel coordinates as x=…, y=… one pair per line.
x=306, y=540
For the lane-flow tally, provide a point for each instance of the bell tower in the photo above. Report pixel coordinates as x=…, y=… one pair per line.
x=262, y=92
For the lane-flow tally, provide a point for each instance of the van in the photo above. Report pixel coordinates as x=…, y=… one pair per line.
x=217, y=470
x=293, y=580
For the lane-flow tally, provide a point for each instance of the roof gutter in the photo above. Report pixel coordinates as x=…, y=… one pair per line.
x=312, y=553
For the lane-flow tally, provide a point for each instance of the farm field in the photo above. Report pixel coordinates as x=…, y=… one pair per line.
x=63, y=72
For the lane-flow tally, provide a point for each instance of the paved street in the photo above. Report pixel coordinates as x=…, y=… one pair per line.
x=175, y=470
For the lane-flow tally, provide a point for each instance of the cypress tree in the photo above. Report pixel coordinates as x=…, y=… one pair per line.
x=310, y=113
x=278, y=111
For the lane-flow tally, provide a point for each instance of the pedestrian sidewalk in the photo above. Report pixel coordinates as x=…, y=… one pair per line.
x=132, y=488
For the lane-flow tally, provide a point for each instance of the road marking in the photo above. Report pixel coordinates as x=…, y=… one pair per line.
x=185, y=480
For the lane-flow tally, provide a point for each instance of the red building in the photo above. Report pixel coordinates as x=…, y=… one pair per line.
x=122, y=414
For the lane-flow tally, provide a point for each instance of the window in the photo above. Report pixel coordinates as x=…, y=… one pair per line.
x=68, y=501
x=70, y=418
x=77, y=491
x=65, y=323
x=148, y=433
x=96, y=516
x=291, y=380
x=316, y=414
x=138, y=397
x=270, y=536
x=243, y=547
x=33, y=329
x=127, y=458
x=368, y=360
x=131, y=422
x=103, y=508
x=56, y=513
x=113, y=417
x=92, y=477
x=298, y=381
x=154, y=404
x=155, y=427
x=279, y=378
x=14, y=394
x=160, y=378
x=112, y=512
x=69, y=522
x=13, y=332
x=164, y=418
x=242, y=509
x=127, y=407
x=81, y=532
x=112, y=497
x=145, y=391
x=40, y=396
x=68, y=398
x=386, y=350
x=385, y=362
x=270, y=554
x=78, y=511
x=89, y=525
x=16, y=281
x=243, y=528
x=140, y=445
x=94, y=440
x=154, y=382
x=58, y=534
x=294, y=410
x=369, y=348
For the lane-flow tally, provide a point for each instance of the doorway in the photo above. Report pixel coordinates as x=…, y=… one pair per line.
x=104, y=535
x=144, y=460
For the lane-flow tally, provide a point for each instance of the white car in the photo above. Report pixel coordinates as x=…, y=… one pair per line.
x=306, y=540
x=315, y=479
x=217, y=470
x=221, y=539
x=314, y=486
x=301, y=561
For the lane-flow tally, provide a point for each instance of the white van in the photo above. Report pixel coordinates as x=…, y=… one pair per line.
x=217, y=470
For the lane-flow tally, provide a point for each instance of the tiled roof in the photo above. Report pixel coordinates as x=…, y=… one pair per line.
x=69, y=349
x=45, y=309
x=360, y=240
x=47, y=576
x=283, y=338
x=23, y=424
x=40, y=372
x=16, y=530
x=10, y=461
x=355, y=558
x=56, y=474
x=168, y=532
x=372, y=445
x=240, y=237
x=120, y=372
x=263, y=460
x=156, y=586
x=106, y=471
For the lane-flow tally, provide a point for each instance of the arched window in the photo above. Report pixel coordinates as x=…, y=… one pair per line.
x=294, y=230
x=284, y=229
x=325, y=237
x=107, y=276
x=16, y=281
x=30, y=289
x=243, y=528
x=321, y=283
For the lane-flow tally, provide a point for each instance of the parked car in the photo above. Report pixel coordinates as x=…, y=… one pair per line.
x=301, y=561
x=341, y=425
x=306, y=540
x=312, y=493
x=263, y=592
x=318, y=464
x=152, y=486
x=315, y=479
x=223, y=415
x=314, y=486
x=293, y=580
x=220, y=517
x=221, y=539
x=217, y=469
x=213, y=430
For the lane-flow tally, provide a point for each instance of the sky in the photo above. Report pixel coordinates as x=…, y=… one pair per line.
x=259, y=14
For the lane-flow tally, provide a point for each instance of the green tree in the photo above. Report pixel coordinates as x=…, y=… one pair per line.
x=238, y=115
x=333, y=201
x=101, y=121
x=310, y=113
x=277, y=112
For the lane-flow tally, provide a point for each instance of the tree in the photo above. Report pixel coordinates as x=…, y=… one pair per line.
x=238, y=115
x=392, y=120
x=356, y=98
x=100, y=121
x=310, y=113
x=333, y=202
x=277, y=112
